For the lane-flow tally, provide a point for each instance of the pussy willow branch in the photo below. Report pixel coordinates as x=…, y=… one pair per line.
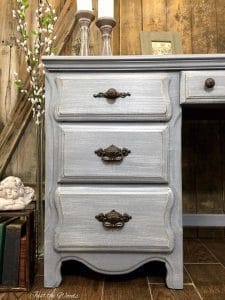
x=45, y=17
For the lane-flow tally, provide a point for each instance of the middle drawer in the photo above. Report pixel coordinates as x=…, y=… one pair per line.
x=113, y=153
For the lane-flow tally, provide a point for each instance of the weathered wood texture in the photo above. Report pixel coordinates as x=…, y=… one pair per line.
x=204, y=27
x=21, y=112
x=130, y=26
x=201, y=24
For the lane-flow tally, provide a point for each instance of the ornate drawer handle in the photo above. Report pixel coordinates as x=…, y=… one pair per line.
x=113, y=219
x=112, y=153
x=210, y=83
x=112, y=94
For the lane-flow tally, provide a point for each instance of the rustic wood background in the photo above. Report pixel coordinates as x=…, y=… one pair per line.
x=202, y=26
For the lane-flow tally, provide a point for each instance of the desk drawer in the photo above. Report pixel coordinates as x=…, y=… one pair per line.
x=203, y=87
x=113, y=153
x=146, y=97
x=79, y=227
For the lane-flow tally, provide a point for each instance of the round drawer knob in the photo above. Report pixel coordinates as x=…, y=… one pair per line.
x=210, y=83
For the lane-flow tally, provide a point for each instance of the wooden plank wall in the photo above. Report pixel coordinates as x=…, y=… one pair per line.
x=11, y=60
x=201, y=23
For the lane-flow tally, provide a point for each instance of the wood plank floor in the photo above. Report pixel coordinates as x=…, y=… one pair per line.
x=204, y=279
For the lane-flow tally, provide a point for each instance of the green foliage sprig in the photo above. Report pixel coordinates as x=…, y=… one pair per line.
x=42, y=34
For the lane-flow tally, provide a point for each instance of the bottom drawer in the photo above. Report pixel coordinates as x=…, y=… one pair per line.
x=84, y=226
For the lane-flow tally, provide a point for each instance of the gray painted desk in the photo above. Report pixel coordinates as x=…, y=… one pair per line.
x=113, y=158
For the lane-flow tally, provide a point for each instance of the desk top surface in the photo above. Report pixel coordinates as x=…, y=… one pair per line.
x=135, y=62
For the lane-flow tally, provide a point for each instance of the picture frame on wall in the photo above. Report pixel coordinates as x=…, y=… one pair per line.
x=160, y=42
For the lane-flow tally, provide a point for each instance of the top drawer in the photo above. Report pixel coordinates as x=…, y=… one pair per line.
x=203, y=87
x=148, y=97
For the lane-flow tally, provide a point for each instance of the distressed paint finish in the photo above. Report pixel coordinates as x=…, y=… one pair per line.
x=195, y=19
x=147, y=161
x=194, y=90
x=149, y=208
x=147, y=99
x=105, y=260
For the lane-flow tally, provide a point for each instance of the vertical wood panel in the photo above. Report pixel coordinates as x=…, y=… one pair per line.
x=204, y=27
x=131, y=25
x=96, y=42
x=8, y=91
x=8, y=60
x=26, y=168
x=69, y=48
x=179, y=19
x=116, y=30
x=26, y=151
x=31, y=20
x=154, y=15
x=23, y=162
x=220, y=14
x=7, y=23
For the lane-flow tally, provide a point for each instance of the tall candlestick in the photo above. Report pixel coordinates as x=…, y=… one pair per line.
x=84, y=17
x=106, y=8
x=106, y=25
x=84, y=5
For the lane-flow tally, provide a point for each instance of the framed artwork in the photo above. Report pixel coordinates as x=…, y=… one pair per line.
x=160, y=42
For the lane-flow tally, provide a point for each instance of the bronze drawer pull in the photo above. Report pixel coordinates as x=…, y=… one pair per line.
x=112, y=153
x=113, y=219
x=210, y=83
x=111, y=94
